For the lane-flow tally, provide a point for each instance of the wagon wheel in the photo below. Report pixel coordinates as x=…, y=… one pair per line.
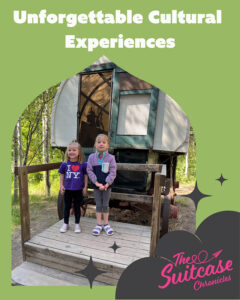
x=60, y=205
x=165, y=215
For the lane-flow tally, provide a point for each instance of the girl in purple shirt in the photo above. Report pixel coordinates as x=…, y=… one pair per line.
x=101, y=169
x=73, y=183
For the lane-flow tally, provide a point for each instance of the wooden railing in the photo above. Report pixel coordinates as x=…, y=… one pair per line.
x=156, y=199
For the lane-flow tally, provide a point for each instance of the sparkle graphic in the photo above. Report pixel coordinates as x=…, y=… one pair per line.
x=91, y=272
x=114, y=247
x=196, y=195
x=221, y=179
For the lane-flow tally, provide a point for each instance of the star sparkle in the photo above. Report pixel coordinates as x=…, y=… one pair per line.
x=196, y=195
x=91, y=272
x=114, y=247
x=221, y=179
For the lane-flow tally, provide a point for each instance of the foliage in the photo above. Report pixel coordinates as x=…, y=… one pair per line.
x=31, y=151
x=37, y=196
x=31, y=126
x=180, y=172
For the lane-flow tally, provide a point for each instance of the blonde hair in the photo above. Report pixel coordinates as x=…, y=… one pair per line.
x=101, y=136
x=81, y=154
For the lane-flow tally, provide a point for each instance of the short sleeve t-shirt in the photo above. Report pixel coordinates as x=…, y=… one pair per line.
x=73, y=174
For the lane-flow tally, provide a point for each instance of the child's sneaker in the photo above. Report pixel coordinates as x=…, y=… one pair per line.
x=97, y=230
x=108, y=229
x=64, y=228
x=77, y=228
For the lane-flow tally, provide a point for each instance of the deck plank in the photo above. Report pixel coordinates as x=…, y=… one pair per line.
x=86, y=236
x=86, y=251
x=120, y=225
x=130, y=233
x=97, y=244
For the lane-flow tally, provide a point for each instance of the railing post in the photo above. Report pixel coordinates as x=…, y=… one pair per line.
x=24, y=206
x=156, y=214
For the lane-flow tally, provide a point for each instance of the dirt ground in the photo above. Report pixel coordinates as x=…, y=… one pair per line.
x=47, y=216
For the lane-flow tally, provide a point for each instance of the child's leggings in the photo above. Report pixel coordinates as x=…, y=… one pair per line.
x=77, y=198
x=102, y=200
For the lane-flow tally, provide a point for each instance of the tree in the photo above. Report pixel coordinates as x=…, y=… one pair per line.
x=15, y=160
x=17, y=156
x=19, y=135
x=45, y=141
x=32, y=127
x=31, y=139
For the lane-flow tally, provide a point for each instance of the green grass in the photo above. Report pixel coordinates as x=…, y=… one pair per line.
x=37, y=199
x=182, y=201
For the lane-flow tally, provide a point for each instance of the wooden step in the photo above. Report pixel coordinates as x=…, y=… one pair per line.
x=70, y=252
x=31, y=274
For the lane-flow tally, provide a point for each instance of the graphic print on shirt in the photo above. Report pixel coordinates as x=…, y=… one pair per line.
x=72, y=170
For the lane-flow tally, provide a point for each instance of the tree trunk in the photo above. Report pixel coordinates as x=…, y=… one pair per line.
x=45, y=150
x=19, y=135
x=15, y=160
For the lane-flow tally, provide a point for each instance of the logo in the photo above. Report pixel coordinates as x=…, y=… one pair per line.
x=201, y=269
x=75, y=168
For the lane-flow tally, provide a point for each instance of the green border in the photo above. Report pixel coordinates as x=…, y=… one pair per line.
x=201, y=73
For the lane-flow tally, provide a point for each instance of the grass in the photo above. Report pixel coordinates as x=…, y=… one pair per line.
x=182, y=201
x=37, y=200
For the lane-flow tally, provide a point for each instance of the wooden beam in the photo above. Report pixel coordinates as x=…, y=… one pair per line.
x=24, y=206
x=128, y=197
x=139, y=167
x=132, y=198
x=120, y=167
x=156, y=213
x=39, y=168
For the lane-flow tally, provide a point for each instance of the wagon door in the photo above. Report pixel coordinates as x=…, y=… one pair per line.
x=133, y=112
x=94, y=106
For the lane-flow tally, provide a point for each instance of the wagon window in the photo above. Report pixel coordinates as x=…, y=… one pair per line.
x=94, y=106
x=133, y=114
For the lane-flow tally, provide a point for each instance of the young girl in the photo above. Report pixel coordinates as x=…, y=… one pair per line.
x=101, y=169
x=73, y=183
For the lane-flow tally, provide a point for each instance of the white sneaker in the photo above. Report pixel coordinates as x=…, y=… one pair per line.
x=64, y=228
x=77, y=228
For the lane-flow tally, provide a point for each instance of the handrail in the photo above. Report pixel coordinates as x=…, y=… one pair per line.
x=120, y=167
x=38, y=168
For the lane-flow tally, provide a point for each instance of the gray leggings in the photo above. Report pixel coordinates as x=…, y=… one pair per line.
x=102, y=200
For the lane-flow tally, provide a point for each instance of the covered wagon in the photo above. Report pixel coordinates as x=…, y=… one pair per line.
x=143, y=123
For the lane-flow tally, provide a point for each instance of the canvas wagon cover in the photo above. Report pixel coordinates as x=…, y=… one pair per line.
x=172, y=126
x=64, y=113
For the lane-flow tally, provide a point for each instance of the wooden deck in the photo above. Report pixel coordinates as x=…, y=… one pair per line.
x=70, y=252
